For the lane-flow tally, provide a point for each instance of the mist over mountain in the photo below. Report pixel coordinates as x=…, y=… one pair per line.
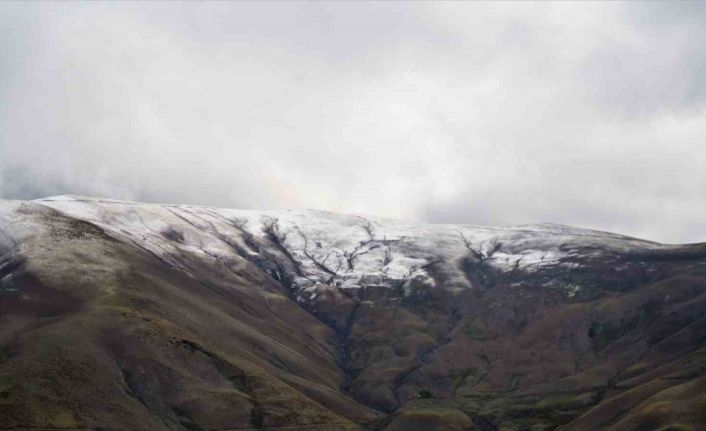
x=123, y=315
x=353, y=215
x=493, y=113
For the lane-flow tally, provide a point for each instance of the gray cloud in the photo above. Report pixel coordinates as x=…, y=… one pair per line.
x=486, y=113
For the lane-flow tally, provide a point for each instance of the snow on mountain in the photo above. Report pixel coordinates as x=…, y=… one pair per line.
x=317, y=249
x=267, y=314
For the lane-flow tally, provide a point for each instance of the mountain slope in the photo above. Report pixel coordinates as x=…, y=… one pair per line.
x=120, y=315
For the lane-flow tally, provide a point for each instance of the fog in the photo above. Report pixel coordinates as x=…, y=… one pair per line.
x=587, y=114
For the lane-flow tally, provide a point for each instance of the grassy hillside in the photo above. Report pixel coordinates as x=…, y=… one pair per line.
x=98, y=331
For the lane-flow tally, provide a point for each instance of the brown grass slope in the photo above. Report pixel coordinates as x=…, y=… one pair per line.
x=95, y=333
x=98, y=333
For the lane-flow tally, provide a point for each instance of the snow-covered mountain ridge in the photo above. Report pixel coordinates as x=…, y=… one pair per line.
x=123, y=315
x=312, y=250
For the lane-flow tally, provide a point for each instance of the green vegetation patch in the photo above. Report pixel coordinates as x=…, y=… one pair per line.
x=677, y=428
x=4, y=354
x=7, y=382
x=568, y=401
x=477, y=330
x=425, y=394
x=429, y=418
x=461, y=376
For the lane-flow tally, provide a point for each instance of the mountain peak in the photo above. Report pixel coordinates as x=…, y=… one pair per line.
x=301, y=319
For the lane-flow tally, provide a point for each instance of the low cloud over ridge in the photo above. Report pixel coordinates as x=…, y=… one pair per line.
x=492, y=113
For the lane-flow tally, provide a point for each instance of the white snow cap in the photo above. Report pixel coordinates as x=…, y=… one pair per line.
x=345, y=251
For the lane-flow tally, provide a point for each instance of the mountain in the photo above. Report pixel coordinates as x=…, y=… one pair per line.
x=119, y=315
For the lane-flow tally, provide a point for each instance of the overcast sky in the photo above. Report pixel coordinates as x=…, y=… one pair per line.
x=485, y=113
